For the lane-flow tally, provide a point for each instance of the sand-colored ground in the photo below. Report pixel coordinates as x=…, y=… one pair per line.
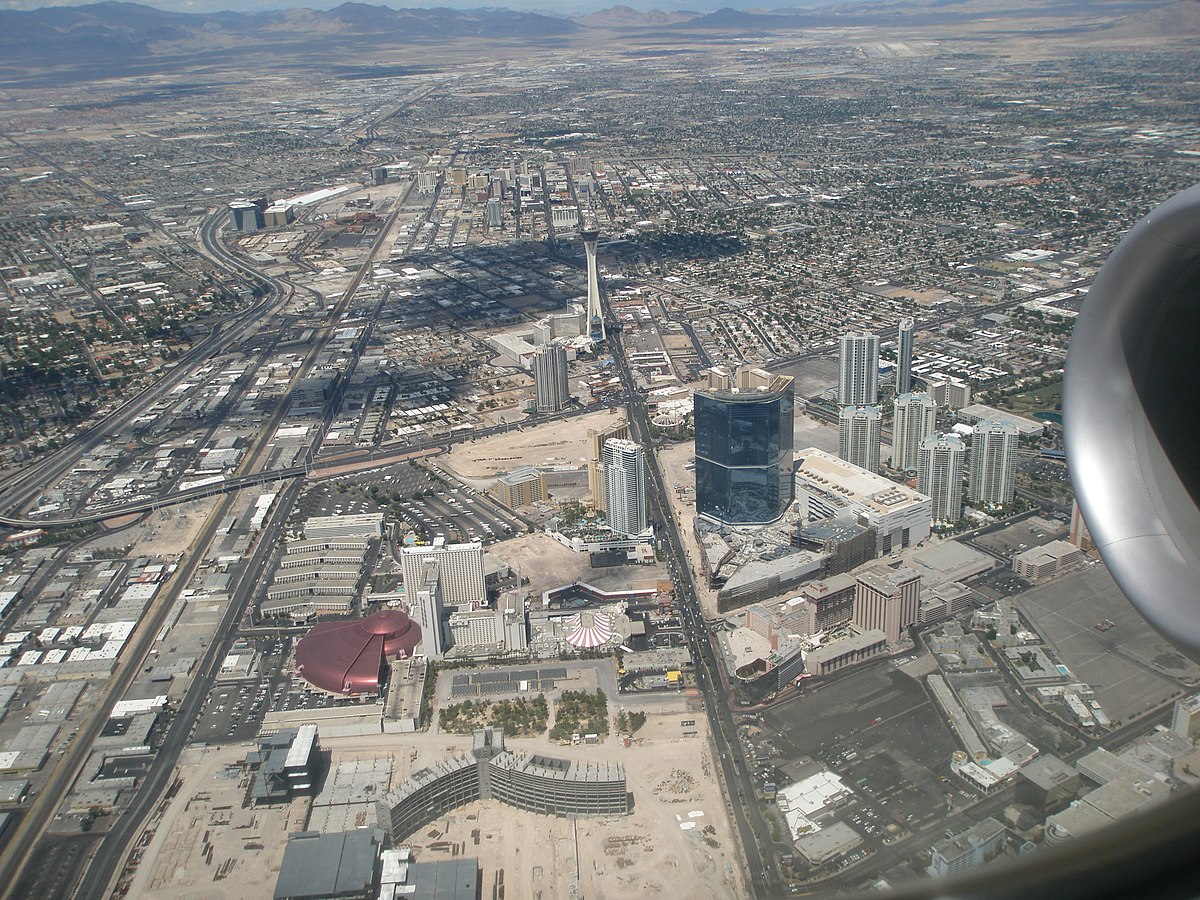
x=207, y=844
x=167, y=532
x=548, y=564
x=561, y=442
x=672, y=460
x=205, y=830
x=643, y=854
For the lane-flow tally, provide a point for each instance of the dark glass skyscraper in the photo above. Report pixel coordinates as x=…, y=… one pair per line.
x=744, y=443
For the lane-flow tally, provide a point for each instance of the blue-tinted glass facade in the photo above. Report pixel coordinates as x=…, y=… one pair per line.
x=744, y=444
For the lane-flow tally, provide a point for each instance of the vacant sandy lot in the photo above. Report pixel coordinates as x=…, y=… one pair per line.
x=206, y=844
x=548, y=564
x=167, y=532
x=644, y=854
x=554, y=443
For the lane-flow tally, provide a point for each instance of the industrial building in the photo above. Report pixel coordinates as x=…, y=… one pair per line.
x=286, y=764
x=341, y=866
x=441, y=879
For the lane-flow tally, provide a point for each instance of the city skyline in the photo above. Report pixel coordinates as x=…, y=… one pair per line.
x=423, y=428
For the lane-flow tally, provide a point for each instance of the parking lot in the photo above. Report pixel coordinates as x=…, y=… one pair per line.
x=234, y=709
x=1000, y=583
x=1033, y=532
x=458, y=514
x=493, y=683
x=881, y=733
x=505, y=682
x=232, y=713
x=1131, y=669
x=426, y=505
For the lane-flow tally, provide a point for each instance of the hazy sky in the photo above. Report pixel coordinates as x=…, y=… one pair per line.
x=560, y=8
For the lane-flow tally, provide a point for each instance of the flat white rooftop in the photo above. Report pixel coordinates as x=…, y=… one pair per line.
x=857, y=485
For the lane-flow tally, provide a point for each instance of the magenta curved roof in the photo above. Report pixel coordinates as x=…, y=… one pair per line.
x=347, y=657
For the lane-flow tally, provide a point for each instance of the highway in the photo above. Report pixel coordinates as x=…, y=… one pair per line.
x=110, y=857
x=22, y=487
x=381, y=456
x=753, y=832
x=108, y=861
x=18, y=853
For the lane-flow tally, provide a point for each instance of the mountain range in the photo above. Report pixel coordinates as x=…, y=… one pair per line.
x=120, y=36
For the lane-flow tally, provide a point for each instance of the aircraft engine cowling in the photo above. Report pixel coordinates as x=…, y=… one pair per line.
x=1131, y=404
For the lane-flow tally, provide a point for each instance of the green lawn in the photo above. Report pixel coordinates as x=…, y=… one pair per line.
x=1043, y=399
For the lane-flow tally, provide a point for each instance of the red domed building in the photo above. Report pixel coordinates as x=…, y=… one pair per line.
x=350, y=657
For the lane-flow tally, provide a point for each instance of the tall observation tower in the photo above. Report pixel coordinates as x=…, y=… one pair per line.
x=589, y=230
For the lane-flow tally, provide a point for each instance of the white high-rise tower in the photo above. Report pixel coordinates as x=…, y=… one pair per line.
x=858, y=371
x=904, y=352
x=625, y=485
x=426, y=601
x=459, y=570
x=859, y=428
x=992, y=447
x=590, y=233
x=939, y=475
x=915, y=419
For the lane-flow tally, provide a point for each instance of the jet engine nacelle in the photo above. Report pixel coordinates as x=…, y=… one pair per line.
x=1131, y=405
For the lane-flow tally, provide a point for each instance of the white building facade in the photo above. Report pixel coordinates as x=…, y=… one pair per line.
x=939, y=475
x=993, y=453
x=859, y=432
x=625, y=486
x=858, y=370
x=914, y=419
